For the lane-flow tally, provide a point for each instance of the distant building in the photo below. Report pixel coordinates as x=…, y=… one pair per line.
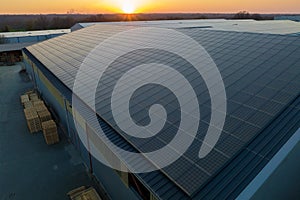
x=295, y=18
x=11, y=53
x=282, y=27
x=259, y=146
x=32, y=36
x=11, y=43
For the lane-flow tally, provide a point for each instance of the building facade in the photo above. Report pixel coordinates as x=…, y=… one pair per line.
x=261, y=75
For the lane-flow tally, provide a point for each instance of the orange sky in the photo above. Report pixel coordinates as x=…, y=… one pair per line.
x=149, y=6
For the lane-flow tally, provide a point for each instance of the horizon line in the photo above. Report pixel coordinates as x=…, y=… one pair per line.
x=262, y=13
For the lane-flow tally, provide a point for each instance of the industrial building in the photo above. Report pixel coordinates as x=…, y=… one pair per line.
x=11, y=43
x=295, y=18
x=282, y=27
x=259, y=144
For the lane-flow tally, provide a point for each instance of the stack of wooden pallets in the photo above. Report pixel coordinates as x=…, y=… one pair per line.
x=33, y=97
x=28, y=104
x=42, y=111
x=82, y=193
x=38, y=117
x=24, y=99
x=33, y=120
x=50, y=132
x=36, y=112
x=44, y=115
x=38, y=103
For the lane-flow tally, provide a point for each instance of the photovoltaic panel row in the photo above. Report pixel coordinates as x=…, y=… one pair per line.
x=258, y=76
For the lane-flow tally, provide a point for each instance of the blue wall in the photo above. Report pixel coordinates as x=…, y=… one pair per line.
x=106, y=176
x=26, y=39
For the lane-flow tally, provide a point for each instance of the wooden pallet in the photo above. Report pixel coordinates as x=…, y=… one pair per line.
x=29, y=111
x=40, y=107
x=30, y=92
x=34, y=97
x=50, y=132
x=33, y=120
x=38, y=103
x=24, y=99
x=28, y=104
x=51, y=138
x=44, y=115
x=84, y=194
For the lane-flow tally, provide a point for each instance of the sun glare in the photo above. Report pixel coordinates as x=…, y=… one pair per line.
x=128, y=8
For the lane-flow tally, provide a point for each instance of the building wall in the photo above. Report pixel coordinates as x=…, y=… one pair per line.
x=295, y=18
x=280, y=178
x=60, y=105
x=285, y=180
x=26, y=39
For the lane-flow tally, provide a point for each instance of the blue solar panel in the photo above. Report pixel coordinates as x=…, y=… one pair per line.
x=258, y=86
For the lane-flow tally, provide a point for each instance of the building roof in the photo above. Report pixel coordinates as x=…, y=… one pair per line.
x=34, y=33
x=19, y=40
x=262, y=79
x=283, y=27
x=166, y=23
x=31, y=36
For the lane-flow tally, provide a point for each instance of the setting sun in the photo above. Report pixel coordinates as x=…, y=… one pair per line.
x=148, y=6
x=128, y=8
x=125, y=6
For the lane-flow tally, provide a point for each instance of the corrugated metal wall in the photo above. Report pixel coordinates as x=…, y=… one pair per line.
x=60, y=102
x=26, y=39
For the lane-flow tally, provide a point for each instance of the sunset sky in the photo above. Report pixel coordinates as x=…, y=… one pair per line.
x=148, y=6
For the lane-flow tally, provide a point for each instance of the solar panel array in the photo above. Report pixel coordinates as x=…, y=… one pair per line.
x=261, y=74
x=284, y=27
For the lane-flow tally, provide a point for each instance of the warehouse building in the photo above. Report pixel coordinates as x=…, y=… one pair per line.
x=11, y=43
x=295, y=18
x=282, y=27
x=32, y=36
x=261, y=74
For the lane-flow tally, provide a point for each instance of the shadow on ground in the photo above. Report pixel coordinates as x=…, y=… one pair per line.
x=29, y=169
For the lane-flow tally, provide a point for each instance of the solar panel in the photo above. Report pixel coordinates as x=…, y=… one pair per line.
x=259, y=83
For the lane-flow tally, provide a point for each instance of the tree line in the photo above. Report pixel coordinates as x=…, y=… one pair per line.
x=41, y=22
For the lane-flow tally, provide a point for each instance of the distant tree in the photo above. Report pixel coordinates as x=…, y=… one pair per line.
x=29, y=26
x=41, y=23
x=6, y=28
x=71, y=12
x=242, y=15
x=3, y=40
x=201, y=17
x=57, y=23
x=257, y=17
x=246, y=15
x=62, y=22
x=95, y=18
x=69, y=22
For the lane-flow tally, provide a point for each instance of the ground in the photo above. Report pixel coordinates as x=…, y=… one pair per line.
x=30, y=169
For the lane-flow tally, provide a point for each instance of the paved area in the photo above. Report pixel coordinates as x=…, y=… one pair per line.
x=29, y=169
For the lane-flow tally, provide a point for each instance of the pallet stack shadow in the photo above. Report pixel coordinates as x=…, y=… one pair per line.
x=38, y=117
